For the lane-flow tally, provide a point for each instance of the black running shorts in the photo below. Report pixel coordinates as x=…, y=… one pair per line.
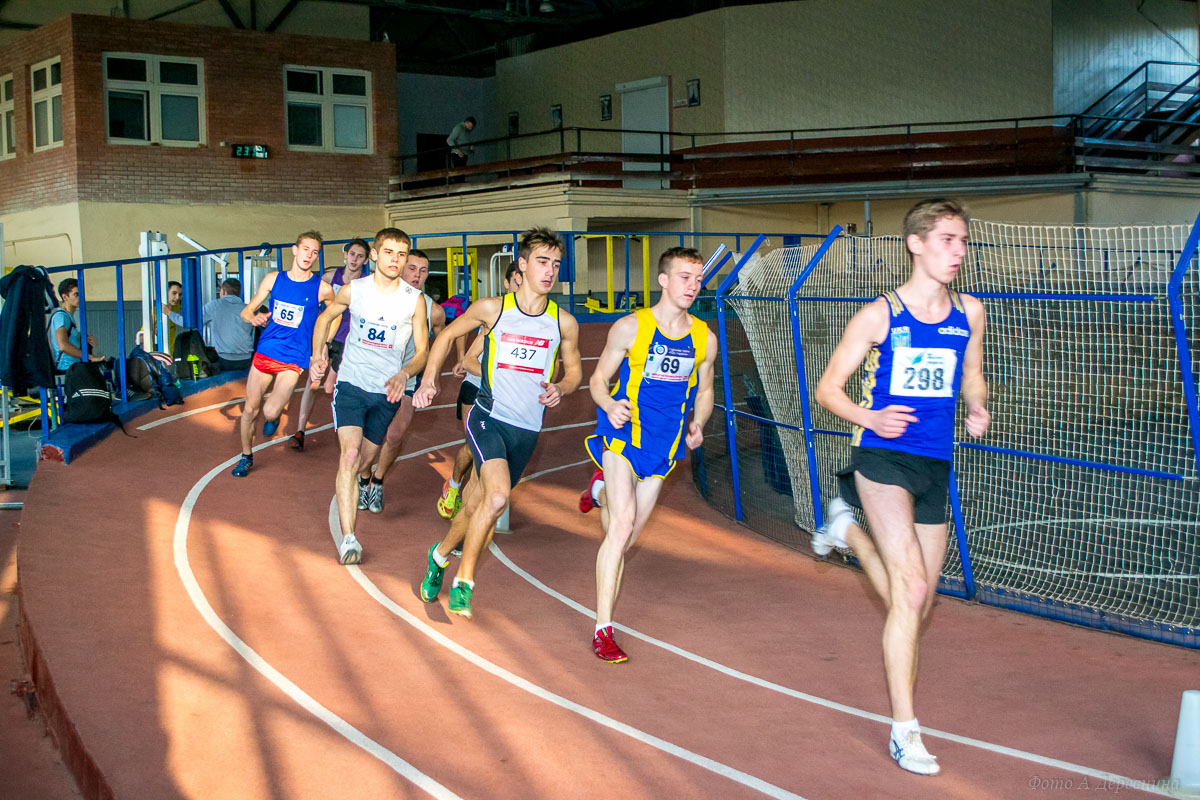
x=466, y=397
x=489, y=438
x=926, y=479
x=356, y=408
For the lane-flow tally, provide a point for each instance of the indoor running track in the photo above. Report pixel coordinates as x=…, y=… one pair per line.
x=193, y=636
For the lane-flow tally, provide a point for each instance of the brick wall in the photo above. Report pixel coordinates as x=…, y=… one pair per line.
x=244, y=103
x=47, y=178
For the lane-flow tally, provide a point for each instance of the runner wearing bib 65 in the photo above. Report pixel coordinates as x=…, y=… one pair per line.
x=526, y=331
x=386, y=315
x=663, y=361
x=285, y=347
x=919, y=345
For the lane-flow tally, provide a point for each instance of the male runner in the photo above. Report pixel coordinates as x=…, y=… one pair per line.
x=922, y=342
x=370, y=481
x=665, y=359
x=385, y=314
x=355, y=252
x=471, y=370
x=526, y=330
x=285, y=347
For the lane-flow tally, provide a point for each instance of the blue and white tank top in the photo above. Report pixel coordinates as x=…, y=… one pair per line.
x=659, y=379
x=919, y=365
x=518, y=355
x=294, y=308
x=380, y=330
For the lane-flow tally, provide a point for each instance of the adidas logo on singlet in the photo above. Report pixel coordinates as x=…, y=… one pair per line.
x=954, y=330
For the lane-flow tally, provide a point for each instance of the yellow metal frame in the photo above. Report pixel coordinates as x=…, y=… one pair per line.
x=454, y=259
x=595, y=305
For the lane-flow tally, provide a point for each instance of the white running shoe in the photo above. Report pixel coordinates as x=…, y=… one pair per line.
x=913, y=756
x=375, y=497
x=838, y=517
x=364, y=493
x=350, y=551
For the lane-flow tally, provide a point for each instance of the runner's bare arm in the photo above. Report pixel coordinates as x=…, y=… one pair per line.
x=705, y=396
x=974, y=385
x=865, y=330
x=325, y=325
x=572, y=364
x=250, y=312
x=483, y=312
x=616, y=346
x=420, y=338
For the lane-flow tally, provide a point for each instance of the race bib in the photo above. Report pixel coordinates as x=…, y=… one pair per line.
x=923, y=372
x=522, y=353
x=669, y=364
x=287, y=314
x=376, y=334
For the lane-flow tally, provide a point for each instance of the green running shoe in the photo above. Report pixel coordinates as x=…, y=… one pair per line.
x=460, y=600
x=431, y=585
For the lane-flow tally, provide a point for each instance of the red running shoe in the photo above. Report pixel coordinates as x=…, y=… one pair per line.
x=586, y=501
x=605, y=648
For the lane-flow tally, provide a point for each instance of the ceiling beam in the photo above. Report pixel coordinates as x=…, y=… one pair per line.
x=282, y=15
x=18, y=26
x=176, y=9
x=428, y=8
x=233, y=15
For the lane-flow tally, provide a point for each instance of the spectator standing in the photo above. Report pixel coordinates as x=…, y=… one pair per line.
x=231, y=336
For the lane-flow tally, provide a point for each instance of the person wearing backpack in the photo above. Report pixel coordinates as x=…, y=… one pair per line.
x=65, y=345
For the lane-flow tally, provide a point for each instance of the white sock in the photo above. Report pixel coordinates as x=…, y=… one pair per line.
x=900, y=730
x=837, y=527
x=457, y=581
x=600, y=627
x=440, y=559
x=454, y=484
x=597, y=487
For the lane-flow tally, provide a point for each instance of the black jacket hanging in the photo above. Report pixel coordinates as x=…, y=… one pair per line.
x=25, y=360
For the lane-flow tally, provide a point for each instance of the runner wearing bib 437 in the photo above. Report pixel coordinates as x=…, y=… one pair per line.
x=919, y=345
x=285, y=347
x=526, y=331
x=386, y=314
x=663, y=361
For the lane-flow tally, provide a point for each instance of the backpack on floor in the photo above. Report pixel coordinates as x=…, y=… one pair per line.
x=193, y=359
x=164, y=385
x=89, y=399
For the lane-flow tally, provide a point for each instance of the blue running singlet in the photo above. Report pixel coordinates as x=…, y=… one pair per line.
x=919, y=365
x=294, y=308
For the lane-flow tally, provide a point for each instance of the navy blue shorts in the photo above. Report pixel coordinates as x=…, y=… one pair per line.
x=644, y=465
x=926, y=479
x=490, y=438
x=356, y=408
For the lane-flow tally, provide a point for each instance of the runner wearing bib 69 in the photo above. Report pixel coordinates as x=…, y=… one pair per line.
x=285, y=347
x=663, y=360
x=386, y=316
x=920, y=345
x=525, y=332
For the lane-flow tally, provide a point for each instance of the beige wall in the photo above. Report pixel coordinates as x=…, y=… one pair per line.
x=48, y=236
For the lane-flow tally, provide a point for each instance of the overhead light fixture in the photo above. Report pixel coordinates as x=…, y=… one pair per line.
x=546, y=7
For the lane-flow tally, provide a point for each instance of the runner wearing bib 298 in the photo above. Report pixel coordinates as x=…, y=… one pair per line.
x=526, y=330
x=285, y=347
x=919, y=345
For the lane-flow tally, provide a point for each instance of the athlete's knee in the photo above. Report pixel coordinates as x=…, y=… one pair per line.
x=495, y=501
x=910, y=590
x=350, y=455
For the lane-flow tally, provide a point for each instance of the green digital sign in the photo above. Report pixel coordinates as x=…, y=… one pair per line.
x=249, y=151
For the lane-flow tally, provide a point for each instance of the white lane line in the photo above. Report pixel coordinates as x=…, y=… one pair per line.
x=725, y=771
x=235, y=401
x=1066, y=766
x=304, y=700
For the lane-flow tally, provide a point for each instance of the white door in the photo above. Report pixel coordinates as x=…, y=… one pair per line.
x=645, y=106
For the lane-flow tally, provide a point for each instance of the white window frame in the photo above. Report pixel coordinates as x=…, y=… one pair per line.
x=327, y=100
x=154, y=89
x=7, y=107
x=46, y=96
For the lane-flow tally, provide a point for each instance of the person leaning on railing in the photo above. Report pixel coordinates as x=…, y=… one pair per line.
x=231, y=336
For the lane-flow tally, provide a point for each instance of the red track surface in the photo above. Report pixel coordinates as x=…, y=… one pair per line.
x=150, y=702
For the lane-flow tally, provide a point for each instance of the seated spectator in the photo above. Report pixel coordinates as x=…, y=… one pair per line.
x=65, y=345
x=171, y=310
x=231, y=336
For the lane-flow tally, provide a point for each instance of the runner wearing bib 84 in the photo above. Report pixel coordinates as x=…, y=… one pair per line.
x=920, y=346
x=663, y=361
x=526, y=330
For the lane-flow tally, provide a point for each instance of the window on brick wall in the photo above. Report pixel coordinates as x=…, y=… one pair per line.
x=328, y=109
x=8, y=127
x=46, y=101
x=154, y=99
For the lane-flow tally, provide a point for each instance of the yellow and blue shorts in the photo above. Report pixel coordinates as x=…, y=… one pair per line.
x=644, y=464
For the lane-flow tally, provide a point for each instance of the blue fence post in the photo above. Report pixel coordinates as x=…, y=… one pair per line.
x=1179, y=325
x=83, y=334
x=242, y=274
x=626, y=272
x=47, y=398
x=465, y=272
x=960, y=535
x=569, y=257
x=814, y=483
x=730, y=423
x=121, y=333
x=189, y=279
